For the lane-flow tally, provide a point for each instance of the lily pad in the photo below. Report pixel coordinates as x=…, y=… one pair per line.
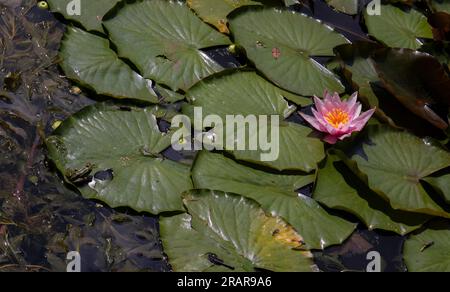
x=296, y=149
x=225, y=232
x=247, y=94
x=332, y=190
x=345, y=6
x=395, y=163
x=364, y=76
x=164, y=40
x=428, y=251
x=397, y=28
x=167, y=95
x=88, y=59
x=215, y=12
x=122, y=149
x=443, y=6
x=282, y=45
x=276, y=194
x=243, y=93
x=417, y=80
x=90, y=12
x=441, y=184
x=359, y=70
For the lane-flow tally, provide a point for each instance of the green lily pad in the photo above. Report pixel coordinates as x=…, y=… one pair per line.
x=395, y=163
x=163, y=39
x=122, y=149
x=332, y=190
x=88, y=59
x=285, y=55
x=360, y=71
x=241, y=93
x=296, y=150
x=215, y=12
x=247, y=94
x=90, y=14
x=232, y=232
x=428, y=251
x=397, y=28
x=167, y=95
x=276, y=194
x=441, y=184
x=345, y=6
x=442, y=7
x=363, y=76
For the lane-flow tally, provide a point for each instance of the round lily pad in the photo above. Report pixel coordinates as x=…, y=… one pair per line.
x=429, y=251
x=113, y=155
x=282, y=44
x=164, y=40
x=224, y=232
x=334, y=191
x=395, y=163
x=397, y=28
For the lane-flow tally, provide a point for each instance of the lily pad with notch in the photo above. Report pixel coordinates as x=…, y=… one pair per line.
x=277, y=195
x=88, y=59
x=225, y=232
x=215, y=12
x=397, y=28
x=338, y=188
x=122, y=148
x=296, y=39
x=164, y=39
x=393, y=165
x=248, y=95
x=87, y=12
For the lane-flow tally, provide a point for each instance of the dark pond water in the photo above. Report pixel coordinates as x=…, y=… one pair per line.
x=41, y=219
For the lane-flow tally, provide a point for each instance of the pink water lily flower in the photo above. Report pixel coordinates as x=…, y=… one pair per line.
x=338, y=118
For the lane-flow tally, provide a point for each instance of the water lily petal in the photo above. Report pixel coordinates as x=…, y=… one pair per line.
x=362, y=120
x=351, y=103
x=355, y=112
x=313, y=122
x=320, y=118
x=345, y=136
x=335, y=98
x=320, y=105
x=330, y=139
x=326, y=95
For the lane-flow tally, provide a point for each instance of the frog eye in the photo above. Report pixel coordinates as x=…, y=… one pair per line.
x=43, y=5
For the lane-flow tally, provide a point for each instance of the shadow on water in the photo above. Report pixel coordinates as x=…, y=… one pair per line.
x=41, y=219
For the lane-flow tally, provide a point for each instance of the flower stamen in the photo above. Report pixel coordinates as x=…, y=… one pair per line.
x=337, y=117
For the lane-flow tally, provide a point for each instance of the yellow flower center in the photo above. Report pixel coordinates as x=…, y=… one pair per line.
x=337, y=117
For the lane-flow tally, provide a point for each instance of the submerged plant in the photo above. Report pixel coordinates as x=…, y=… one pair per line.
x=338, y=118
